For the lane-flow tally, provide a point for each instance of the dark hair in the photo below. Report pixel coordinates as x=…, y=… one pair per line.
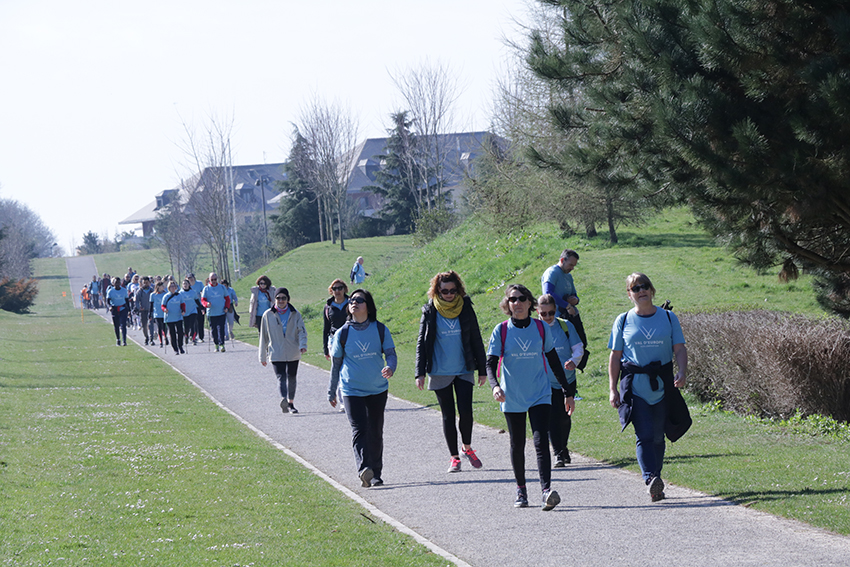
x=505, y=304
x=439, y=279
x=371, y=310
x=282, y=291
x=225, y=283
x=569, y=254
x=264, y=278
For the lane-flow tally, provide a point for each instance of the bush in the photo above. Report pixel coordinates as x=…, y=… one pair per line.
x=433, y=224
x=770, y=364
x=17, y=296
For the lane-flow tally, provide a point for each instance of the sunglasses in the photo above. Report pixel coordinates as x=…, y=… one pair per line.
x=337, y=288
x=517, y=298
x=639, y=288
x=358, y=299
x=547, y=313
x=452, y=291
x=282, y=298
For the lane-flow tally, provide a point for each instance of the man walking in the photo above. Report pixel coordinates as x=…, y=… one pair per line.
x=557, y=281
x=358, y=272
x=216, y=298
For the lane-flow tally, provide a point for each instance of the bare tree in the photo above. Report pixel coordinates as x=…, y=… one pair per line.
x=330, y=131
x=429, y=92
x=181, y=245
x=25, y=237
x=208, y=200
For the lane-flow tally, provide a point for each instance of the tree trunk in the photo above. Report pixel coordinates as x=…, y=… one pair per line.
x=339, y=223
x=321, y=219
x=612, y=231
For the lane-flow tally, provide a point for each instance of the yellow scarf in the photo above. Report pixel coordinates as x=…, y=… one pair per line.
x=449, y=309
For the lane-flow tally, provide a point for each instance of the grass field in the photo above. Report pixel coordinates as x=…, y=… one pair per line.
x=109, y=457
x=761, y=465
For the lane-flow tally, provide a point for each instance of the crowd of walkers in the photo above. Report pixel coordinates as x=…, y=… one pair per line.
x=529, y=363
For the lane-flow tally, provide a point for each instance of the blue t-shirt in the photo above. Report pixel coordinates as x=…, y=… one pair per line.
x=559, y=284
x=646, y=339
x=362, y=361
x=564, y=348
x=116, y=297
x=215, y=294
x=156, y=301
x=171, y=302
x=189, y=296
x=448, y=348
x=232, y=293
x=284, y=318
x=359, y=272
x=263, y=304
x=524, y=375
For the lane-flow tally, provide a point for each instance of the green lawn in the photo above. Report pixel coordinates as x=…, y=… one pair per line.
x=109, y=457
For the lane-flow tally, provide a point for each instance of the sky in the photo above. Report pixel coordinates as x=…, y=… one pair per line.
x=97, y=96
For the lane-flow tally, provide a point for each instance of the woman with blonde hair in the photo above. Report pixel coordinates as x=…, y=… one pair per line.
x=449, y=349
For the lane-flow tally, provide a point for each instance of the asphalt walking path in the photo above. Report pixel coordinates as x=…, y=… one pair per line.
x=605, y=517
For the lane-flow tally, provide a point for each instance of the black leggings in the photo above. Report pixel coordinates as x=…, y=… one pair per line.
x=119, y=322
x=160, y=329
x=175, y=329
x=286, y=372
x=189, y=323
x=560, y=424
x=538, y=416
x=445, y=396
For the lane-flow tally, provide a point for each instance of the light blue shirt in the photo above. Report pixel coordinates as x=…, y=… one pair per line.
x=554, y=281
x=172, y=302
x=448, y=348
x=156, y=301
x=564, y=348
x=362, y=361
x=189, y=296
x=646, y=339
x=116, y=297
x=359, y=273
x=284, y=318
x=215, y=294
x=524, y=373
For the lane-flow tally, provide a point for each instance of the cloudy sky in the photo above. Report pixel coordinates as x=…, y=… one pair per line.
x=96, y=93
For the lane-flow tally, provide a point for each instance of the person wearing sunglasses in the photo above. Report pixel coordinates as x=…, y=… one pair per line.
x=335, y=313
x=643, y=342
x=216, y=299
x=449, y=349
x=570, y=350
x=283, y=339
x=520, y=358
x=358, y=350
x=262, y=299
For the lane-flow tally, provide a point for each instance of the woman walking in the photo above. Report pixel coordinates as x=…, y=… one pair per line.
x=117, y=300
x=158, y=314
x=190, y=316
x=644, y=341
x=173, y=306
x=521, y=354
x=283, y=339
x=334, y=317
x=570, y=351
x=358, y=350
x=449, y=349
x=262, y=299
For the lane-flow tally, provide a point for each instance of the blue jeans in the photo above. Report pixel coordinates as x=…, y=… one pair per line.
x=648, y=421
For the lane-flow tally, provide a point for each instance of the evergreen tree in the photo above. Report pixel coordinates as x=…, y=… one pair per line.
x=297, y=221
x=739, y=107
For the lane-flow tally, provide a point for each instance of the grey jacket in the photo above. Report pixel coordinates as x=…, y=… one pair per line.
x=276, y=346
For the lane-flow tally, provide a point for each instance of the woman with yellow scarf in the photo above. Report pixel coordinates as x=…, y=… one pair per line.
x=449, y=349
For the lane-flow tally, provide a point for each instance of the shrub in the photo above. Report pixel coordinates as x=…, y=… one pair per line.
x=433, y=224
x=769, y=364
x=17, y=295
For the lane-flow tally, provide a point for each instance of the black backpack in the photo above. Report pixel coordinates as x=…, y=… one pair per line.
x=343, y=334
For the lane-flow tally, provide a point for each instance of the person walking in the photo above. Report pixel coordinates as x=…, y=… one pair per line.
x=283, y=339
x=358, y=272
x=94, y=291
x=334, y=317
x=143, y=304
x=190, y=317
x=570, y=350
x=450, y=350
x=105, y=284
x=158, y=314
x=643, y=342
x=230, y=320
x=359, y=349
x=262, y=299
x=173, y=306
x=198, y=287
x=520, y=356
x=116, y=299
x=216, y=299
x=557, y=281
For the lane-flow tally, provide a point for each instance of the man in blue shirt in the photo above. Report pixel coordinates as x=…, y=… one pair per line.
x=216, y=298
x=557, y=281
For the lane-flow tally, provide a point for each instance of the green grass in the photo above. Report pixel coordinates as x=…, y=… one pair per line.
x=109, y=457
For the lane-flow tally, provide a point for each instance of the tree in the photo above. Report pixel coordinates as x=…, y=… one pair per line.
x=330, y=138
x=299, y=219
x=24, y=237
x=172, y=229
x=737, y=106
x=91, y=244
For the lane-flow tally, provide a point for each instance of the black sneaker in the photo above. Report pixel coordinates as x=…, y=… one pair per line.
x=550, y=499
x=366, y=476
x=118, y=343
x=292, y=408
x=284, y=407
x=559, y=463
x=521, y=497
x=377, y=482
x=656, y=488
x=182, y=351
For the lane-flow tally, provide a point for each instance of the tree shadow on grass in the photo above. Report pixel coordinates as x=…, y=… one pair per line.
x=630, y=461
x=751, y=497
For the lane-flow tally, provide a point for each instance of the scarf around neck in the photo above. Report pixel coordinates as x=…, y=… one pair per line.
x=449, y=309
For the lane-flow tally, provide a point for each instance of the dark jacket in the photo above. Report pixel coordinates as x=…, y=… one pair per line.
x=470, y=336
x=678, y=419
x=334, y=319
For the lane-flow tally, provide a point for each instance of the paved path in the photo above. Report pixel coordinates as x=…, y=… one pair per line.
x=605, y=517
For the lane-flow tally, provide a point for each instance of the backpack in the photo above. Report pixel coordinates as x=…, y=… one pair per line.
x=343, y=334
x=503, y=333
x=353, y=273
x=665, y=306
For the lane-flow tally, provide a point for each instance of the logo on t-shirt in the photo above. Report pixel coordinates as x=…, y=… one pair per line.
x=452, y=323
x=524, y=345
x=648, y=333
x=364, y=347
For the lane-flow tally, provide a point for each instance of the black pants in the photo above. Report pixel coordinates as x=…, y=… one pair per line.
x=286, y=372
x=366, y=416
x=538, y=416
x=160, y=329
x=175, y=329
x=217, y=328
x=446, y=398
x=119, y=321
x=190, y=323
x=560, y=424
